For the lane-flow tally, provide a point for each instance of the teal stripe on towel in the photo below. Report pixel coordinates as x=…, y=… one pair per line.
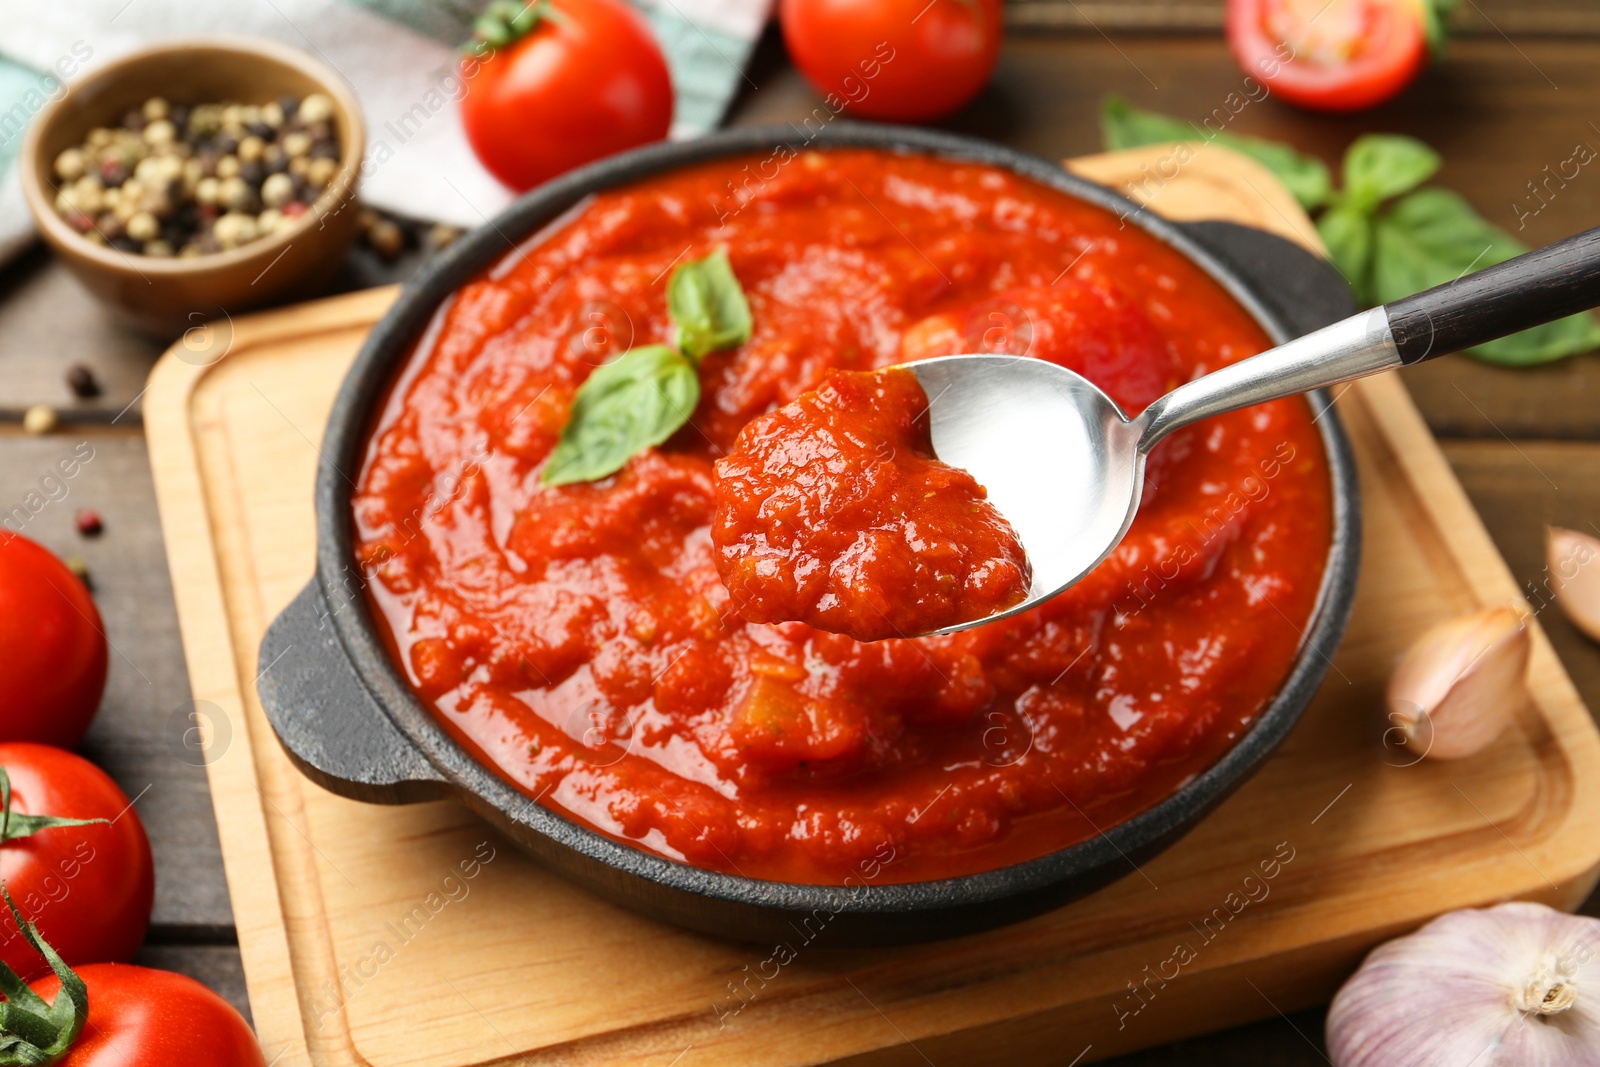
x=23, y=91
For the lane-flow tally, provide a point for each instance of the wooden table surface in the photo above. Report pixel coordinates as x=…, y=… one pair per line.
x=1519, y=92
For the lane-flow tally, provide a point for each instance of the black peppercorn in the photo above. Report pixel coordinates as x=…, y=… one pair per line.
x=82, y=382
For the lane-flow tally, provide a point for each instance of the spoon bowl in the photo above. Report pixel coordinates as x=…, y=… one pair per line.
x=1057, y=456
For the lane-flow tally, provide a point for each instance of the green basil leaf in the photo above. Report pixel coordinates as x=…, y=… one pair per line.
x=1380, y=165
x=1543, y=344
x=1125, y=126
x=1348, y=235
x=637, y=400
x=1435, y=21
x=1444, y=222
x=708, y=305
x=1432, y=237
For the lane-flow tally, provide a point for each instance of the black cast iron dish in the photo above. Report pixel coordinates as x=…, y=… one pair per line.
x=348, y=719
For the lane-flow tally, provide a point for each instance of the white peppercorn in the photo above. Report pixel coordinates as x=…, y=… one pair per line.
x=143, y=227
x=277, y=190
x=234, y=194
x=386, y=238
x=71, y=165
x=321, y=172
x=160, y=132
x=39, y=419
x=234, y=229
x=318, y=107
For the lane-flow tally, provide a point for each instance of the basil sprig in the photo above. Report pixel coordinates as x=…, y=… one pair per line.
x=708, y=306
x=642, y=397
x=1125, y=126
x=1387, y=236
x=637, y=400
x=1392, y=239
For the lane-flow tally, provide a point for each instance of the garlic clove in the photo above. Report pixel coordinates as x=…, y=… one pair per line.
x=1461, y=683
x=1573, y=560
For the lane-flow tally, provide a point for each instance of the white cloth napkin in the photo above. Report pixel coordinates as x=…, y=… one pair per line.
x=397, y=54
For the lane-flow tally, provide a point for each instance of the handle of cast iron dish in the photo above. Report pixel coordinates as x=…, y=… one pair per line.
x=1296, y=286
x=326, y=718
x=1538, y=287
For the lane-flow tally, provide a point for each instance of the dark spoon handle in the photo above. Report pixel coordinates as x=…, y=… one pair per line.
x=1541, y=286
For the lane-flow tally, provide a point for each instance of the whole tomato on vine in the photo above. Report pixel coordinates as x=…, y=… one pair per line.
x=900, y=60
x=52, y=647
x=554, y=84
x=116, y=1015
x=74, y=853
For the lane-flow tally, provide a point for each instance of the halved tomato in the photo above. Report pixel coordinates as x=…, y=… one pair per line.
x=1332, y=55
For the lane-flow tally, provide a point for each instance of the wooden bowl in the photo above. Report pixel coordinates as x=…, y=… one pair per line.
x=167, y=296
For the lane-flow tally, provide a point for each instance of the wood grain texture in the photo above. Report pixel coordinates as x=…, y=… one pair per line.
x=135, y=736
x=49, y=322
x=362, y=942
x=1519, y=489
x=1482, y=18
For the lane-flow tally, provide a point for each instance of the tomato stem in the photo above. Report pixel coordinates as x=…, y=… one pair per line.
x=14, y=825
x=32, y=1031
x=505, y=22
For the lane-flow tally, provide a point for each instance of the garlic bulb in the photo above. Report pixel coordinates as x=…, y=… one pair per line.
x=1460, y=684
x=1516, y=985
x=1573, y=561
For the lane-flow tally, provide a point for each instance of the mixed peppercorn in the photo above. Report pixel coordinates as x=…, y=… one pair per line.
x=176, y=180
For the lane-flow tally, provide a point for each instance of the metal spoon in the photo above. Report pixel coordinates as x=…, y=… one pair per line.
x=1065, y=465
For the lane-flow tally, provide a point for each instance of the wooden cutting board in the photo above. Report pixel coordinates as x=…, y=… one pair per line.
x=416, y=937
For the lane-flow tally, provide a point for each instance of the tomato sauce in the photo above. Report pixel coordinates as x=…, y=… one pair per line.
x=833, y=511
x=578, y=639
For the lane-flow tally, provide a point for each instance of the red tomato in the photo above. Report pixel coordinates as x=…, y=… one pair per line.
x=589, y=80
x=144, y=1018
x=52, y=647
x=1342, y=56
x=87, y=888
x=900, y=60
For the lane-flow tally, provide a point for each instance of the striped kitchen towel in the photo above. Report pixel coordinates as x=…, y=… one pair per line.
x=397, y=53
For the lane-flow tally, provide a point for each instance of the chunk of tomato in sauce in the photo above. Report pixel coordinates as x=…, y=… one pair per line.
x=834, y=511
